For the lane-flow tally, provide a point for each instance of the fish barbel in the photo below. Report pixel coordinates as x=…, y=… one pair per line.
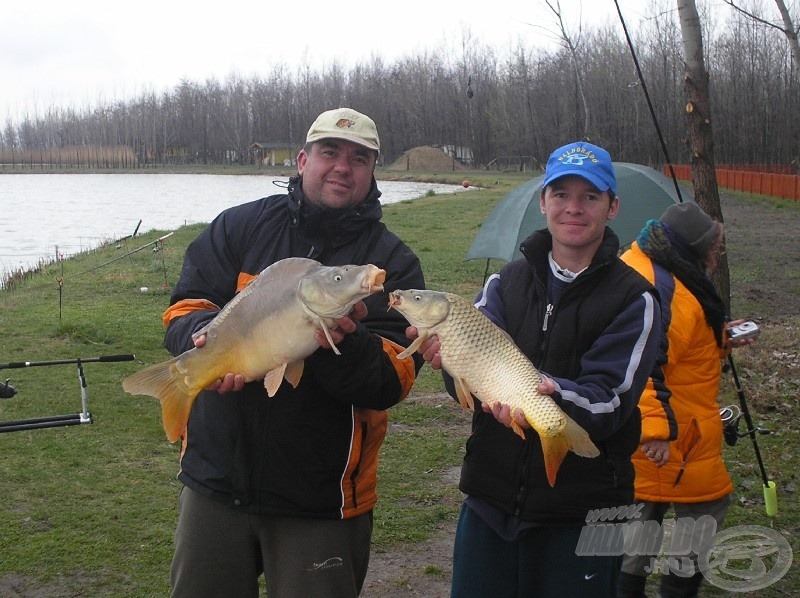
x=266, y=331
x=485, y=362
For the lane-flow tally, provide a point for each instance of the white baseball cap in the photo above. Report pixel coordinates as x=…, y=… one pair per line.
x=347, y=124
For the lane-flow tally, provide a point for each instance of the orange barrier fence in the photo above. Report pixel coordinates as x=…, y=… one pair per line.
x=772, y=168
x=785, y=186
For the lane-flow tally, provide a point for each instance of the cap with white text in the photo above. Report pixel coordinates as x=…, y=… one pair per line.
x=585, y=160
x=347, y=124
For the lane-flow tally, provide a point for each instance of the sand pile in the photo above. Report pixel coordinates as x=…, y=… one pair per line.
x=426, y=157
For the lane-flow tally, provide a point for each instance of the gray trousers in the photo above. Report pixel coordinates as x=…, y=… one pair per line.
x=221, y=552
x=655, y=511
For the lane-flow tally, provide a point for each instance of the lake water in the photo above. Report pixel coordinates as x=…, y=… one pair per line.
x=42, y=215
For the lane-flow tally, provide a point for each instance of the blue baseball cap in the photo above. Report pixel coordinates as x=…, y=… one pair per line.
x=585, y=160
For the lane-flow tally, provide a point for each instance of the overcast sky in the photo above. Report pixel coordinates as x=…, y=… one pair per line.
x=84, y=52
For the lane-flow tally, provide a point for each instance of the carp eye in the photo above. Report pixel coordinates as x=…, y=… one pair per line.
x=337, y=278
x=417, y=297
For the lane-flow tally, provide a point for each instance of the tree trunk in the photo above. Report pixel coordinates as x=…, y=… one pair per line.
x=701, y=139
x=790, y=31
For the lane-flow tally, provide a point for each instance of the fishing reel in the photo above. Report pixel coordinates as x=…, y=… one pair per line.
x=730, y=423
x=6, y=390
x=731, y=416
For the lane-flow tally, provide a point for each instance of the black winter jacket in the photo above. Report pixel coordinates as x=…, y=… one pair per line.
x=309, y=451
x=599, y=342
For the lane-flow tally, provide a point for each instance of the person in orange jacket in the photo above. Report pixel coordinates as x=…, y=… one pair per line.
x=677, y=253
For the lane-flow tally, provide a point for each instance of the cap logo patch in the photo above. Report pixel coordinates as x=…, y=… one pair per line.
x=345, y=123
x=578, y=156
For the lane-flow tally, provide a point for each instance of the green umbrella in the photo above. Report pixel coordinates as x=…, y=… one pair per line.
x=644, y=194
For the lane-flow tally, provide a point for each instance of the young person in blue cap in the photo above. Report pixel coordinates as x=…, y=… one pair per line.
x=592, y=326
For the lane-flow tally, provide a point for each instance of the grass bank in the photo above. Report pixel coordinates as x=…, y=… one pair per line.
x=91, y=509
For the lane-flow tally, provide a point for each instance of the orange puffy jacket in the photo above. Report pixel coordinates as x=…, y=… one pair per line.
x=695, y=471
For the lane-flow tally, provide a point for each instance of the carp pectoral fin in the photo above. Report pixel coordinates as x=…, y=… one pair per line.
x=555, y=449
x=517, y=429
x=273, y=379
x=579, y=440
x=294, y=371
x=413, y=346
x=464, y=395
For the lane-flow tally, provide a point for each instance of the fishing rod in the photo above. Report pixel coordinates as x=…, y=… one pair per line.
x=116, y=259
x=769, y=489
x=158, y=244
x=770, y=492
x=30, y=364
x=131, y=236
x=642, y=82
x=71, y=419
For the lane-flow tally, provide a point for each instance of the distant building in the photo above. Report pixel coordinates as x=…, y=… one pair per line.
x=272, y=154
x=459, y=152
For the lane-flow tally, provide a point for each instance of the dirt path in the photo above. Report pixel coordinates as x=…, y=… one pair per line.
x=422, y=569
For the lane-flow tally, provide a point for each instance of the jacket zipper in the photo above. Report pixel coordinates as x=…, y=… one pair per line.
x=522, y=489
x=547, y=313
x=613, y=467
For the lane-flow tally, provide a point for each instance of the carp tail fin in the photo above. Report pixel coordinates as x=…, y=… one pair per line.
x=554, y=448
x=163, y=382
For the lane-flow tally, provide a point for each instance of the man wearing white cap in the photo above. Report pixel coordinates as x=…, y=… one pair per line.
x=285, y=486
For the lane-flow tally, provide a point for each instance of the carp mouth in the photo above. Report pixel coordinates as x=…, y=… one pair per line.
x=375, y=279
x=394, y=299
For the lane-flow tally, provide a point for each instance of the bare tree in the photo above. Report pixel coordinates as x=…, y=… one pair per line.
x=572, y=45
x=788, y=27
x=521, y=106
x=701, y=138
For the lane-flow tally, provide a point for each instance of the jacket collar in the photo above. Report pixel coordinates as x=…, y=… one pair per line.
x=537, y=246
x=331, y=227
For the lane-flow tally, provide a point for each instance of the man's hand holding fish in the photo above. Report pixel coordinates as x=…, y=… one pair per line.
x=508, y=416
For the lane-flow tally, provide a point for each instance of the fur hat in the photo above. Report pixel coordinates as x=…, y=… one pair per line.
x=688, y=221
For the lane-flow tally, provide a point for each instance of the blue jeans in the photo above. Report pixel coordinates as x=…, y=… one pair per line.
x=540, y=562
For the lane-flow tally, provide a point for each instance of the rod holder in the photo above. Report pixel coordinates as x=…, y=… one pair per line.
x=58, y=421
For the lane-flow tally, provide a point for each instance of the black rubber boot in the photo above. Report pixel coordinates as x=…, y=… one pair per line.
x=630, y=586
x=675, y=586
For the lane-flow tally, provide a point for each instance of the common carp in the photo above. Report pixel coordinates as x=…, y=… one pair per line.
x=266, y=331
x=485, y=362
